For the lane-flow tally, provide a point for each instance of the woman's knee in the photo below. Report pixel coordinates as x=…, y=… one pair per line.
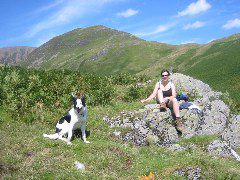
x=175, y=102
x=173, y=99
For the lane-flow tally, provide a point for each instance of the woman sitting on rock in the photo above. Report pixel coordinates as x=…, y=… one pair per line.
x=165, y=94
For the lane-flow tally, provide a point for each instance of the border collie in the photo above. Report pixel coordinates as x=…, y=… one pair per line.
x=75, y=117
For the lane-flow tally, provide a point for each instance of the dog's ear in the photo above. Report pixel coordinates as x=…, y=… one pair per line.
x=83, y=99
x=73, y=95
x=74, y=99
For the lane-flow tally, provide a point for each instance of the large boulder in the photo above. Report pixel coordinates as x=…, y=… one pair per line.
x=232, y=133
x=149, y=125
x=216, y=114
x=222, y=149
x=201, y=92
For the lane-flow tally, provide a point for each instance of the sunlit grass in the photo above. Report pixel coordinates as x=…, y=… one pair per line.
x=25, y=154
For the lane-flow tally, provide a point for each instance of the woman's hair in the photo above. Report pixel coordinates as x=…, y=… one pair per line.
x=165, y=70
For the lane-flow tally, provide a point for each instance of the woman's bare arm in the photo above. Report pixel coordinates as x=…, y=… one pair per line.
x=153, y=95
x=174, y=94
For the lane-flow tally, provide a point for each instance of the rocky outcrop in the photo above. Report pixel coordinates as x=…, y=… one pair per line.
x=214, y=121
x=150, y=126
x=100, y=53
x=189, y=173
x=232, y=133
x=221, y=148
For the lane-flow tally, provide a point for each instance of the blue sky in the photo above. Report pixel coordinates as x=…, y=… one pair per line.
x=34, y=22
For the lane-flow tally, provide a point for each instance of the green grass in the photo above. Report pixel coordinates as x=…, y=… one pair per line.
x=25, y=154
x=202, y=140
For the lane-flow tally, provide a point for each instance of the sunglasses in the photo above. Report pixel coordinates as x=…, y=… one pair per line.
x=163, y=75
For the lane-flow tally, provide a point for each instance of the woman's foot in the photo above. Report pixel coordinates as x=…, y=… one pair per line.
x=179, y=124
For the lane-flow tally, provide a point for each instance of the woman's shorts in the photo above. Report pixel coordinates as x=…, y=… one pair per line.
x=169, y=103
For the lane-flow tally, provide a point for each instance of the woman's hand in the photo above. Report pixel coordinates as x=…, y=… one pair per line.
x=143, y=100
x=168, y=98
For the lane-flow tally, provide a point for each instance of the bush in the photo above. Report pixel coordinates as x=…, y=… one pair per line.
x=40, y=94
x=22, y=90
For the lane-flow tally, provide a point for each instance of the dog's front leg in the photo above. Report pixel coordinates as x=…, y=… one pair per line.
x=70, y=132
x=83, y=129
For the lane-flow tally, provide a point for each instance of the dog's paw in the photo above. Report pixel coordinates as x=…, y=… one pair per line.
x=44, y=135
x=87, y=142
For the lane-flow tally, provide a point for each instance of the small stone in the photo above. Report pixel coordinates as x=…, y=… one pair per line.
x=79, y=166
x=116, y=133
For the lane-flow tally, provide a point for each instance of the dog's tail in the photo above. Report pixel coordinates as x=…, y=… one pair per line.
x=51, y=136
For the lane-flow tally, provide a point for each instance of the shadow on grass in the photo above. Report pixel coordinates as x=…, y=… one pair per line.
x=78, y=134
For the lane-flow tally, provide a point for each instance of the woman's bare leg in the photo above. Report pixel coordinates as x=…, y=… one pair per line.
x=179, y=123
x=160, y=96
x=175, y=107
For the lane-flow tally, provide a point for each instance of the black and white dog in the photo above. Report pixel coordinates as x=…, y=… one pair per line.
x=75, y=117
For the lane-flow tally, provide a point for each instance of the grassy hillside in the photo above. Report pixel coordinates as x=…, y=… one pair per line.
x=104, y=51
x=98, y=50
x=25, y=154
x=217, y=64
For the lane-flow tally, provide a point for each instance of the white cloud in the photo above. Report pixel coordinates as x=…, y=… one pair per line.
x=157, y=30
x=195, y=25
x=234, y=23
x=128, y=13
x=188, y=42
x=211, y=40
x=49, y=6
x=70, y=10
x=195, y=8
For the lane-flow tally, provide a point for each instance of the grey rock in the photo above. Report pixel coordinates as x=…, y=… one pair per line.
x=222, y=149
x=191, y=122
x=128, y=136
x=216, y=114
x=176, y=148
x=100, y=53
x=167, y=134
x=190, y=173
x=232, y=133
x=117, y=133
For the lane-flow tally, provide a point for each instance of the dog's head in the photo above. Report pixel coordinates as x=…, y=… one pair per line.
x=79, y=103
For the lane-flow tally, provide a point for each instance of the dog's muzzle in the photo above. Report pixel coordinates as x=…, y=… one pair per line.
x=79, y=110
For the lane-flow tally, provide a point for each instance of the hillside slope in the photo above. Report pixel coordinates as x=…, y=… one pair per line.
x=216, y=63
x=104, y=51
x=97, y=49
x=14, y=55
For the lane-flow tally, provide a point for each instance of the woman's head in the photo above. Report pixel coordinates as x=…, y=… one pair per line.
x=165, y=74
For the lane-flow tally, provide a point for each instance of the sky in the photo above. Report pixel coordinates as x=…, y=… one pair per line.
x=34, y=22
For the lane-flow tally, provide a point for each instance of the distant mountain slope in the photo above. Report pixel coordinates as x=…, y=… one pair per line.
x=13, y=55
x=106, y=51
x=97, y=49
x=218, y=65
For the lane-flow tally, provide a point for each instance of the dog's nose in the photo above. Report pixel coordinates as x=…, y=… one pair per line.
x=79, y=108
